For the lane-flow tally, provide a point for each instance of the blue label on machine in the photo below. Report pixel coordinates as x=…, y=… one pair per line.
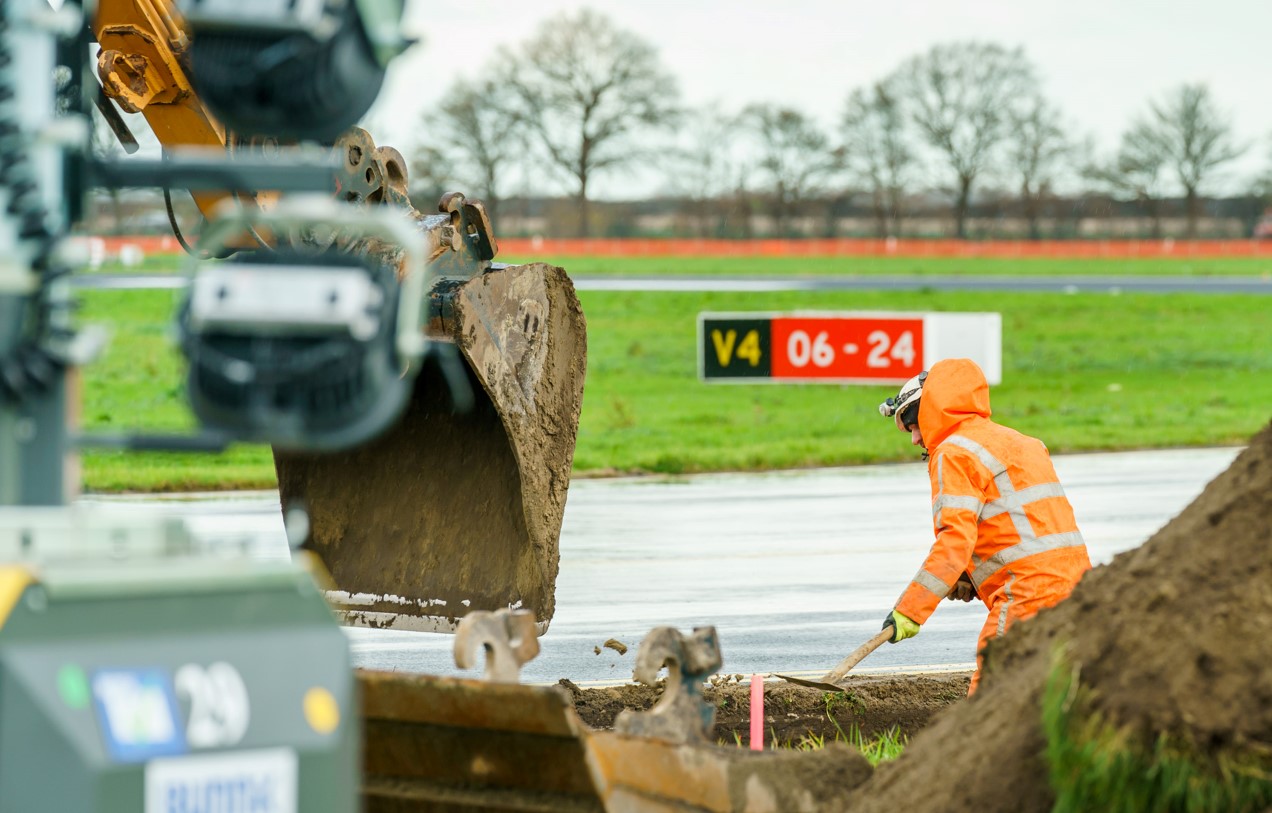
x=137, y=713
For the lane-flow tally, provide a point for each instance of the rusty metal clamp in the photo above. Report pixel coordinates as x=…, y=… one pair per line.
x=682, y=714
x=509, y=638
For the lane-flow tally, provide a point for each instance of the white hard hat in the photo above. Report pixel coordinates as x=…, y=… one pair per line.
x=909, y=395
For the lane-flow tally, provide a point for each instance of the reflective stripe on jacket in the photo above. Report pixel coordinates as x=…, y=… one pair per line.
x=998, y=509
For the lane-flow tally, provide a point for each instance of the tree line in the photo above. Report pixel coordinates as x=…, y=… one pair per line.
x=582, y=99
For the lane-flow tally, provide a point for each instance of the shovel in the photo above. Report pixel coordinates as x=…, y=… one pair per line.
x=830, y=681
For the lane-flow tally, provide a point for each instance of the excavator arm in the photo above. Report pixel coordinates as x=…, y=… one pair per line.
x=141, y=68
x=457, y=506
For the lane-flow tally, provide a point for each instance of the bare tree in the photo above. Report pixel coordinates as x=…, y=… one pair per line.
x=703, y=169
x=430, y=178
x=1193, y=138
x=960, y=96
x=1261, y=192
x=794, y=158
x=1135, y=171
x=1037, y=149
x=877, y=151
x=589, y=91
x=476, y=129
x=1263, y=184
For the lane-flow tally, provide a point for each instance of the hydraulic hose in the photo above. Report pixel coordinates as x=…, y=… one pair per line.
x=32, y=364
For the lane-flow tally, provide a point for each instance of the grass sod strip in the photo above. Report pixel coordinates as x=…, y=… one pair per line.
x=884, y=746
x=1095, y=765
x=1083, y=371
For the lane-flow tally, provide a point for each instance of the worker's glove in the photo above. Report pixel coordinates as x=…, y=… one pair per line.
x=902, y=626
x=963, y=590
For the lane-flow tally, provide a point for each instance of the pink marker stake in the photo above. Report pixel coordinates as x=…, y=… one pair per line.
x=757, y=713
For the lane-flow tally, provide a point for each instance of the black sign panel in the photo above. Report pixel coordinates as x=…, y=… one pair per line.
x=735, y=348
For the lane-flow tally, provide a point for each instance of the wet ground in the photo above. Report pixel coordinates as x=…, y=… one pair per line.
x=794, y=569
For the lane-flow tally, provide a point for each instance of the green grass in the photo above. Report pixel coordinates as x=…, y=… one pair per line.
x=1083, y=372
x=150, y=264
x=138, y=385
x=884, y=746
x=849, y=701
x=830, y=266
x=1095, y=765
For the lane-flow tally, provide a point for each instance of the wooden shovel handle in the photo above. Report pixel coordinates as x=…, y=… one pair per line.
x=845, y=666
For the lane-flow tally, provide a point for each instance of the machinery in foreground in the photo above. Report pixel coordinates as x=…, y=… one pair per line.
x=141, y=668
x=144, y=669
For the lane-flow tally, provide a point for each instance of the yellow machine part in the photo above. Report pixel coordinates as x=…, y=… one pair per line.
x=142, y=43
x=14, y=580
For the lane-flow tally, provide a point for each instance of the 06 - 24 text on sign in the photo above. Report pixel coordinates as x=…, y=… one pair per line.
x=854, y=348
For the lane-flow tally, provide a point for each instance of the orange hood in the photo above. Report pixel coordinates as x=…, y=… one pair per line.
x=955, y=391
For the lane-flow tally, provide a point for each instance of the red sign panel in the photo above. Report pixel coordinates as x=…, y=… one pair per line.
x=886, y=349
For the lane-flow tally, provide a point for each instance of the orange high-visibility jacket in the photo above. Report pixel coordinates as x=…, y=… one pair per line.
x=999, y=512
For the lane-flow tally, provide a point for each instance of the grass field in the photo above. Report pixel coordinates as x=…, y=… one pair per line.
x=1083, y=372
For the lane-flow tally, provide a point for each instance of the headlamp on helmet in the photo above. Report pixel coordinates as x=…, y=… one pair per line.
x=904, y=408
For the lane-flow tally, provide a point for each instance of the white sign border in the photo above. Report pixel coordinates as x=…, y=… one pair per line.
x=991, y=362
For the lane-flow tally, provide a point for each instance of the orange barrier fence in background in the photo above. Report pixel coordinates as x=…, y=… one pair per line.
x=524, y=248
x=528, y=248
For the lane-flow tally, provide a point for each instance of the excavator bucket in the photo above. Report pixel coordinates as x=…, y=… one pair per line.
x=456, y=509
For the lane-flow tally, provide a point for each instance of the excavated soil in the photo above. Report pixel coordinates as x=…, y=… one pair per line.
x=1173, y=637
x=870, y=704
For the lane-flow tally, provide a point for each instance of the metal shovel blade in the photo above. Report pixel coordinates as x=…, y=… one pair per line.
x=829, y=682
x=816, y=684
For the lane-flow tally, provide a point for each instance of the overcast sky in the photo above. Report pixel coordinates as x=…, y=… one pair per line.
x=1100, y=60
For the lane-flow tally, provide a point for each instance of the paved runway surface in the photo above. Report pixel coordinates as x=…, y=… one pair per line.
x=794, y=569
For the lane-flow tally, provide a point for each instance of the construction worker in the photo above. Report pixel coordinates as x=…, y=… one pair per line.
x=1005, y=532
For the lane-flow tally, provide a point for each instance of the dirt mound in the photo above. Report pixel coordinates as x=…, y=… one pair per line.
x=798, y=780
x=871, y=704
x=1171, y=640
